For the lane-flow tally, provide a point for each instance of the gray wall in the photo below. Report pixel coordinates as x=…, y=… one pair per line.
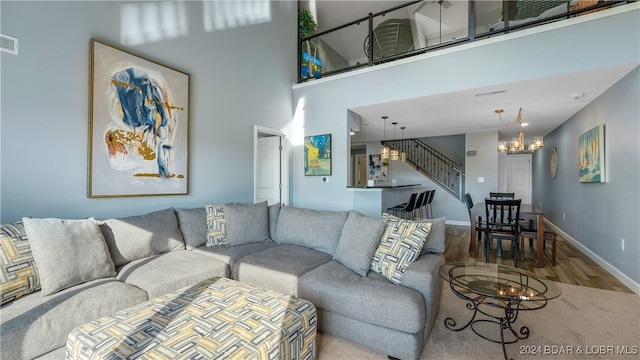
x=483, y=165
x=598, y=214
x=322, y=104
x=242, y=64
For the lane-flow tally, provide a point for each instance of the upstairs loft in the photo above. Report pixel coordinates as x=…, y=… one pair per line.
x=418, y=27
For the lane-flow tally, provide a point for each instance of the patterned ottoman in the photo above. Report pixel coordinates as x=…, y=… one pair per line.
x=218, y=318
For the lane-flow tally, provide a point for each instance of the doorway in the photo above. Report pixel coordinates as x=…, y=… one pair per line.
x=517, y=176
x=359, y=166
x=270, y=166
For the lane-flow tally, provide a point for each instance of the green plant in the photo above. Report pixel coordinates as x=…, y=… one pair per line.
x=306, y=27
x=306, y=24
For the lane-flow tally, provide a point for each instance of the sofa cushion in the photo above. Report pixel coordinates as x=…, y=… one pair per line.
x=333, y=287
x=216, y=225
x=315, y=229
x=193, y=226
x=136, y=237
x=67, y=252
x=274, y=214
x=231, y=254
x=164, y=273
x=19, y=274
x=247, y=223
x=359, y=239
x=436, y=237
x=34, y=325
x=278, y=268
x=400, y=245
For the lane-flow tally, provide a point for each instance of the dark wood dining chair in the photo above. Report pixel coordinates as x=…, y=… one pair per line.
x=502, y=217
x=479, y=229
x=528, y=230
x=502, y=195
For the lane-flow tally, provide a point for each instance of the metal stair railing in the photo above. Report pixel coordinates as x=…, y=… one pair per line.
x=432, y=164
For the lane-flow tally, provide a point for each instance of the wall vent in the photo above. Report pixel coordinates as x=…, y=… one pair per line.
x=8, y=44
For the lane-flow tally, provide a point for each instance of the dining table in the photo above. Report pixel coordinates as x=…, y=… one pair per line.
x=527, y=212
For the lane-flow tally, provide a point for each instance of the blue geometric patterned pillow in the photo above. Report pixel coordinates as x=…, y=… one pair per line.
x=18, y=274
x=400, y=245
x=216, y=225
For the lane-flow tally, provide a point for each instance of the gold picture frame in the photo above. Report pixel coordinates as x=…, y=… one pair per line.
x=138, y=125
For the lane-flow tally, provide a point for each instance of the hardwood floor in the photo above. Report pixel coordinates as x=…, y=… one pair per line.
x=572, y=266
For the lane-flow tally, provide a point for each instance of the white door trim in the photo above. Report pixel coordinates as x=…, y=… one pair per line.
x=284, y=161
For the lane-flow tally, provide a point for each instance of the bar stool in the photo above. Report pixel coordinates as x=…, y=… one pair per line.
x=407, y=208
x=430, y=195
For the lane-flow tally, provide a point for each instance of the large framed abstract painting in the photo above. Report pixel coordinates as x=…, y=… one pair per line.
x=139, y=125
x=317, y=155
x=591, y=155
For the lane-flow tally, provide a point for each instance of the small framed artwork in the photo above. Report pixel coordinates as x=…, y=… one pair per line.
x=138, y=126
x=317, y=155
x=378, y=167
x=591, y=155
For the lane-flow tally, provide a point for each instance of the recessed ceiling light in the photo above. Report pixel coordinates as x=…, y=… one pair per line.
x=525, y=124
x=576, y=96
x=368, y=124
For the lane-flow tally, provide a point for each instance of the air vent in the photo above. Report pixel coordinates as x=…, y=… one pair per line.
x=8, y=44
x=491, y=93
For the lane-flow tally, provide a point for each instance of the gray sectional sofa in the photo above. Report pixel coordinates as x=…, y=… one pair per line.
x=322, y=256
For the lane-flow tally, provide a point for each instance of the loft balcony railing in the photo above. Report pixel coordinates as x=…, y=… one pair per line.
x=418, y=27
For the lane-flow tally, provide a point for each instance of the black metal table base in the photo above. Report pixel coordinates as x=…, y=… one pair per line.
x=511, y=308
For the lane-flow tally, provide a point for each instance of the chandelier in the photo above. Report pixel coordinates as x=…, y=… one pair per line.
x=517, y=144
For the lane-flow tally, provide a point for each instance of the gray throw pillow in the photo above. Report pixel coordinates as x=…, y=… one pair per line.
x=359, y=239
x=193, y=225
x=316, y=229
x=246, y=223
x=136, y=237
x=274, y=214
x=67, y=252
x=436, y=238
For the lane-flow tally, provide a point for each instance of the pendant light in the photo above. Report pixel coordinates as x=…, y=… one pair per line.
x=403, y=155
x=394, y=154
x=384, y=152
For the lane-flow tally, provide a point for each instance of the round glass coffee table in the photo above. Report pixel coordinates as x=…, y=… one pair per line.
x=499, y=293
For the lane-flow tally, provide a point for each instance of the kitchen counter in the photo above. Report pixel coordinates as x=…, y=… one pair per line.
x=374, y=200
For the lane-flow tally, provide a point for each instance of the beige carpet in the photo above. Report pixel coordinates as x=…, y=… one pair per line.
x=599, y=324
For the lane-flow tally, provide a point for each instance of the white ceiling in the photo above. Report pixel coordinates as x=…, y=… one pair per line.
x=546, y=103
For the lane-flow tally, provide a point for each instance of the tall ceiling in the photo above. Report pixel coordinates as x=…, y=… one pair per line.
x=546, y=103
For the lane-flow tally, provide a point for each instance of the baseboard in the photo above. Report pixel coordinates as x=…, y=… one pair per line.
x=630, y=283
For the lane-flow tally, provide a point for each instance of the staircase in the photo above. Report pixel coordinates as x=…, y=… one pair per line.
x=432, y=164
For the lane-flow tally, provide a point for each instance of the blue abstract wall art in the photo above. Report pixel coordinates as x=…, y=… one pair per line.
x=139, y=125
